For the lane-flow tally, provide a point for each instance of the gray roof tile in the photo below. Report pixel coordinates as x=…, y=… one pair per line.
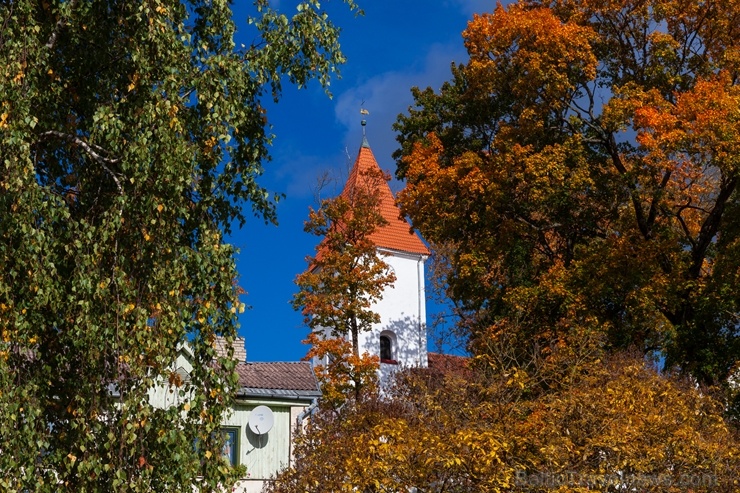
x=297, y=376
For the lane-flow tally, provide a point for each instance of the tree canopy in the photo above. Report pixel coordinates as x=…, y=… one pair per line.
x=619, y=426
x=132, y=135
x=581, y=172
x=343, y=280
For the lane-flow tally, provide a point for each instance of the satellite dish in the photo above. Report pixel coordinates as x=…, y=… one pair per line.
x=260, y=420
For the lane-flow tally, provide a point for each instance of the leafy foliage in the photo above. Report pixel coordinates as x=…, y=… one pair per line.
x=131, y=134
x=620, y=425
x=344, y=279
x=342, y=373
x=581, y=172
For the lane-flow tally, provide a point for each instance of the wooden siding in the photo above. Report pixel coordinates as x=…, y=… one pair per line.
x=263, y=455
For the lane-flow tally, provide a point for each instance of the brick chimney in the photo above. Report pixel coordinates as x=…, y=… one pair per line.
x=240, y=350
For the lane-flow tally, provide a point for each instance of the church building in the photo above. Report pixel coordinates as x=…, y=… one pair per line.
x=400, y=339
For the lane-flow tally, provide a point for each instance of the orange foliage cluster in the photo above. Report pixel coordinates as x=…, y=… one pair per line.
x=580, y=173
x=341, y=373
x=344, y=280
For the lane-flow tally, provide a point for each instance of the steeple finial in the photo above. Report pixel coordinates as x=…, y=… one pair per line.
x=365, y=143
x=363, y=111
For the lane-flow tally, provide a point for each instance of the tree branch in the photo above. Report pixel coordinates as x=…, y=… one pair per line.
x=611, y=145
x=710, y=227
x=61, y=22
x=92, y=150
x=684, y=226
x=656, y=197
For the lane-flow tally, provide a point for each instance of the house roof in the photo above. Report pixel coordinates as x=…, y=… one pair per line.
x=448, y=364
x=397, y=234
x=277, y=379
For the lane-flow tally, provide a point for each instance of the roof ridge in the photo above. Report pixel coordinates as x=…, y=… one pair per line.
x=274, y=362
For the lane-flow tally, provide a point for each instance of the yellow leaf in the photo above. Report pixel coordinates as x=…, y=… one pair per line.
x=134, y=81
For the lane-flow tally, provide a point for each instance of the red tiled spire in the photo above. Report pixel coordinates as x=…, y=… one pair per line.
x=397, y=234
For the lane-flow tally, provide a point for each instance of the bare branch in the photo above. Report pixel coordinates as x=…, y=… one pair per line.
x=536, y=227
x=653, y=213
x=711, y=225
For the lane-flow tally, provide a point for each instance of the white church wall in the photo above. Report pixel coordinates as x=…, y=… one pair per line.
x=403, y=315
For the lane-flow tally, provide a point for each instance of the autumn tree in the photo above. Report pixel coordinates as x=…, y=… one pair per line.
x=619, y=426
x=344, y=279
x=131, y=135
x=405, y=441
x=581, y=170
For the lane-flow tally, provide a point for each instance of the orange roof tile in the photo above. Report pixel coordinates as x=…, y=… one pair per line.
x=448, y=364
x=397, y=234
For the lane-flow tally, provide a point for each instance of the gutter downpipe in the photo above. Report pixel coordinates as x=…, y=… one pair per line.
x=307, y=412
x=298, y=422
x=420, y=299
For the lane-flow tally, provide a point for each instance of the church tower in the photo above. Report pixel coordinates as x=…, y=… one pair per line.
x=400, y=339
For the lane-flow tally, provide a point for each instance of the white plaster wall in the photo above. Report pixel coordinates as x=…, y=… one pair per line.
x=402, y=311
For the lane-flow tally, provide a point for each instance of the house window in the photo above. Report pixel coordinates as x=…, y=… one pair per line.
x=386, y=348
x=230, y=452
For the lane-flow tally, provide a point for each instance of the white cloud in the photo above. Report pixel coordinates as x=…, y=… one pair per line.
x=385, y=95
x=470, y=7
x=388, y=94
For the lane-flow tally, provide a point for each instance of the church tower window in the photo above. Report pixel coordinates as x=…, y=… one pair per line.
x=386, y=348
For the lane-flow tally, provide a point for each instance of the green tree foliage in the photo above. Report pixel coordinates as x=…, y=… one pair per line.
x=344, y=279
x=619, y=426
x=581, y=171
x=131, y=135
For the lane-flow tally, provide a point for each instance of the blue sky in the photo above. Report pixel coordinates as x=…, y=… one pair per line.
x=396, y=45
